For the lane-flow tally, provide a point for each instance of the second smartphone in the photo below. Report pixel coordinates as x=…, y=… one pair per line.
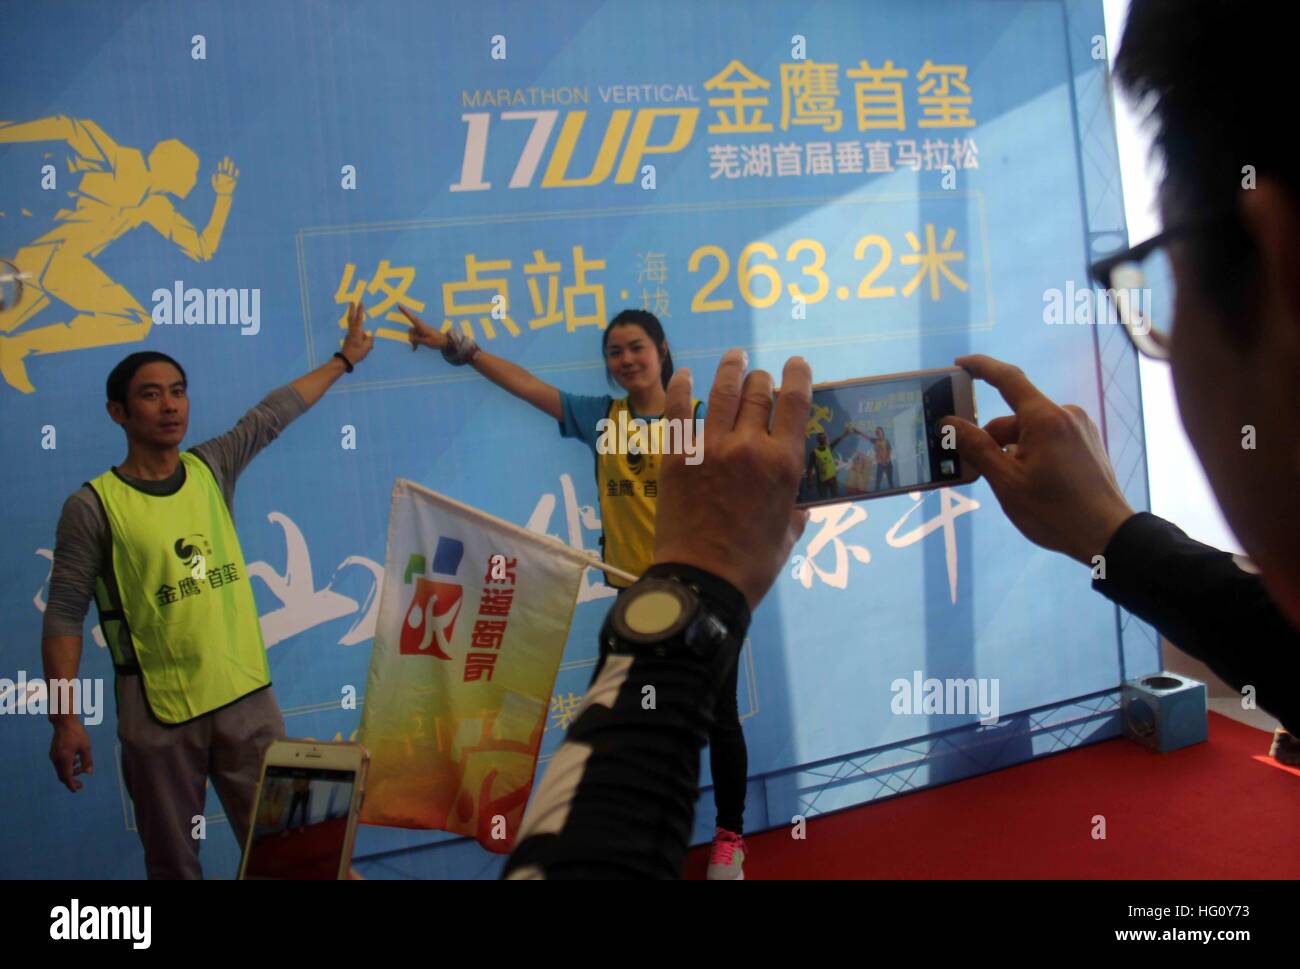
x=305, y=819
x=876, y=436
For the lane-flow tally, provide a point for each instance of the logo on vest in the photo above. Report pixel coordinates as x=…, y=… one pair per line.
x=435, y=602
x=188, y=551
x=195, y=552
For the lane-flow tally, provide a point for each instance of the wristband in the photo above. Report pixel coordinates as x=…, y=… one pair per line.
x=346, y=362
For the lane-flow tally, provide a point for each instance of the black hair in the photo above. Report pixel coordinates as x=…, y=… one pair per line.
x=653, y=328
x=1210, y=124
x=119, y=380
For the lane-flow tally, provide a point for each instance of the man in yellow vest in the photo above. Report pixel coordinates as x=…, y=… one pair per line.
x=153, y=541
x=821, y=467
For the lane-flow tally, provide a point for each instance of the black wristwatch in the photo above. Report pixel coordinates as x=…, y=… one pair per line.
x=677, y=609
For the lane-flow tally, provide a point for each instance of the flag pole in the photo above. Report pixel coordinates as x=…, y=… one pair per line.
x=553, y=544
x=596, y=563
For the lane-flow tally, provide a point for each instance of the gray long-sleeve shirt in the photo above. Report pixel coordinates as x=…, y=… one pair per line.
x=83, y=547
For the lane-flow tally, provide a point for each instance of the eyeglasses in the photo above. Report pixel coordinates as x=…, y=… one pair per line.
x=1132, y=279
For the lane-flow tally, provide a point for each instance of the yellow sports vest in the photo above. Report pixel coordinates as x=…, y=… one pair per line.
x=628, y=485
x=185, y=597
x=825, y=458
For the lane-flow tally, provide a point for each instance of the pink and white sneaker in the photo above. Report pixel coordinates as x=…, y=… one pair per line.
x=727, y=859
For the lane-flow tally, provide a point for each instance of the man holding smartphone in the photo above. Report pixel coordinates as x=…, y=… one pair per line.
x=153, y=542
x=1233, y=244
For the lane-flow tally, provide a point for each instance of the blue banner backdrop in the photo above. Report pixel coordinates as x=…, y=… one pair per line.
x=877, y=186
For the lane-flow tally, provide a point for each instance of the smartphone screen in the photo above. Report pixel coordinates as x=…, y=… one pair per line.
x=300, y=824
x=877, y=436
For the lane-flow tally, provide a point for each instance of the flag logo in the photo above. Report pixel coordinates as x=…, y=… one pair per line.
x=435, y=604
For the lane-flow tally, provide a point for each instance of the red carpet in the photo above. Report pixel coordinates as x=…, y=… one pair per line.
x=1221, y=809
x=309, y=852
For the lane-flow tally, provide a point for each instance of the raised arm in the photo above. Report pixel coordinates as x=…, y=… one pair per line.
x=230, y=453
x=200, y=247
x=356, y=345
x=86, y=138
x=503, y=373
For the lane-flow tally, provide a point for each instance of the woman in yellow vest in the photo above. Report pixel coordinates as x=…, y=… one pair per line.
x=637, y=359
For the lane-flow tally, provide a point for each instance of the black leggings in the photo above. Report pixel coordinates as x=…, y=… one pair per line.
x=728, y=755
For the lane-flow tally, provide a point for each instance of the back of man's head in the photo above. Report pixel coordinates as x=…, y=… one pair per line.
x=1214, y=75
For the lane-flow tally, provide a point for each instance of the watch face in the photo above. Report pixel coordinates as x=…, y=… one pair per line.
x=653, y=611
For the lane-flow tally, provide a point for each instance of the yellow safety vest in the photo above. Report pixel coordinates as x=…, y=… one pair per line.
x=185, y=597
x=628, y=485
x=825, y=459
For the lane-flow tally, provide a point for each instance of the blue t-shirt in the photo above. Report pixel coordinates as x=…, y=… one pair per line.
x=582, y=413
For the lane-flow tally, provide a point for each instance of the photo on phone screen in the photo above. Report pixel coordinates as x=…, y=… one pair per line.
x=874, y=437
x=300, y=824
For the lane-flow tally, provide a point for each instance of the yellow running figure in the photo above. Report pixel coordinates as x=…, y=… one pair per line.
x=118, y=193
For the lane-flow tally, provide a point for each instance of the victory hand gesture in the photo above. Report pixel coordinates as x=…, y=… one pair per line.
x=422, y=335
x=358, y=342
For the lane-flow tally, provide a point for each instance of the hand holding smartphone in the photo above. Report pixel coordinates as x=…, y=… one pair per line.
x=877, y=436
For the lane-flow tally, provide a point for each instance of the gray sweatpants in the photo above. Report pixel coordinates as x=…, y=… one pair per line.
x=167, y=770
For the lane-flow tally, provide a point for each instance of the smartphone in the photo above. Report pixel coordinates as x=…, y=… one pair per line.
x=305, y=814
x=876, y=436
